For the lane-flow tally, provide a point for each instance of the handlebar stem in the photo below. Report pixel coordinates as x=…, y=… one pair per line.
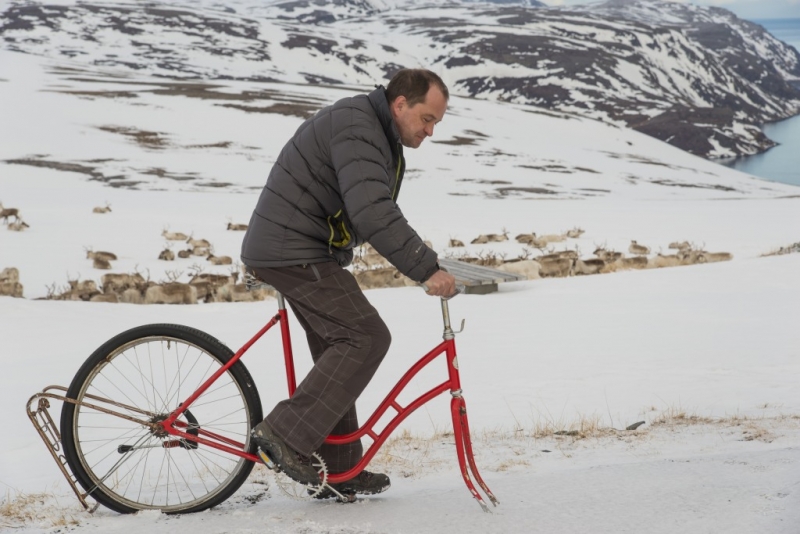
x=448, y=330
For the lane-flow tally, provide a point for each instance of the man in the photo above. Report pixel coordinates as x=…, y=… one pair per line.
x=333, y=187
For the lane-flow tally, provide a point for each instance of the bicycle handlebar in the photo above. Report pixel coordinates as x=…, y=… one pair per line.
x=460, y=288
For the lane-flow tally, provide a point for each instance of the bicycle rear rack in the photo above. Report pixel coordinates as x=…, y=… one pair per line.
x=48, y=431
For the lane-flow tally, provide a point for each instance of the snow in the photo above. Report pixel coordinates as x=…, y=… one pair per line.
x=707, y=355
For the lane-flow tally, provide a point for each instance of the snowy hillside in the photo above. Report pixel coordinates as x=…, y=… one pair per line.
x=156, y=138
x=173, y=120
x=698, y=78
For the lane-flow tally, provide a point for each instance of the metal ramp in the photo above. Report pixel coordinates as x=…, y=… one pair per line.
x=478, y=279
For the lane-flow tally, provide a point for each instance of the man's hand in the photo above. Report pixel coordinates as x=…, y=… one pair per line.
x=441, y=284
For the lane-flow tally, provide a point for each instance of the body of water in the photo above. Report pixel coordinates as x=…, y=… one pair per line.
x=781, y=163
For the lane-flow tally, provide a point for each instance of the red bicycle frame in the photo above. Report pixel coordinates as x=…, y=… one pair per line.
x=458, y=407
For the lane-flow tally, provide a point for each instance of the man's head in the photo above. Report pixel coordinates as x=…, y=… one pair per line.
x=418, y=100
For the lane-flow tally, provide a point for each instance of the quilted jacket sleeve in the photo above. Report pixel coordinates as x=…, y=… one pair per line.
x=358, y=153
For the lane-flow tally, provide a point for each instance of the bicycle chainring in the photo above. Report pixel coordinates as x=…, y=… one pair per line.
x=299, y=491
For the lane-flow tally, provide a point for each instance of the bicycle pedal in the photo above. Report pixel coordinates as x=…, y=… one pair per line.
x=267, y=460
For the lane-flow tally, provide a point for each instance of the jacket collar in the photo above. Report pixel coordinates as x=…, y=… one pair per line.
x=381, y=106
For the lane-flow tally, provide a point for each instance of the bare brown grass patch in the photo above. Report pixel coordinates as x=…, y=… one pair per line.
x=42, y=508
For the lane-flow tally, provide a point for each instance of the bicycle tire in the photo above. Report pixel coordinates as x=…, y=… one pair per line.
x=127, y=467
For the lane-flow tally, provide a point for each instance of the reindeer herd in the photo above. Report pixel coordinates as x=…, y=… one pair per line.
x=568, y=262
x=539, y=259
x=196, y=247
x=136, y=288
x=139, y=289
x=372, y=270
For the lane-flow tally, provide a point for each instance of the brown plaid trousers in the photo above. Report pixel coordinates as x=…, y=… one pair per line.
x=348, y=341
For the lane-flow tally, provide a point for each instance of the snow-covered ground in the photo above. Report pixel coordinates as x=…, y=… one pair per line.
x=707, y=355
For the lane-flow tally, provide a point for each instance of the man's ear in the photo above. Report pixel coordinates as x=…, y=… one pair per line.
x=399, y=103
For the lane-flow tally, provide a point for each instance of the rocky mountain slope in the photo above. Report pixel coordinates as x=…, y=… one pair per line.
x=699, y=78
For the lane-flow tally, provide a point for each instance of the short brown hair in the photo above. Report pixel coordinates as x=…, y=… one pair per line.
x=414, y=85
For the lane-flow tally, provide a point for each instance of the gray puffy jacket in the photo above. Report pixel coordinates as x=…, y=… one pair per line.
x=333, y=187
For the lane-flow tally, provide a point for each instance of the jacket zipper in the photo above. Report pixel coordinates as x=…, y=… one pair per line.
x=397, y=172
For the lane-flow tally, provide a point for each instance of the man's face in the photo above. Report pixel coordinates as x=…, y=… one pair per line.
x=416, y=122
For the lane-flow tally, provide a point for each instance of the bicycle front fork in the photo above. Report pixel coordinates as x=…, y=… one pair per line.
x=466, y=460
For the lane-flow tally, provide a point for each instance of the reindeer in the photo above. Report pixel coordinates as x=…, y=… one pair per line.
x=488, y=259
x=167, y=255
x=383, y=277
x=9, y=274
x=194, y=243
x=100, y=263
x=219, y=260
x=369, y=258
x=608, y=256
x=591, y=266
x=636, y=248
x=18, y=226
x=106, y=209
x=213, y=287
x=671, y=260
x=575, y=233
x=240, y=293
x=532, y=241
x=557, y=267
x=455, y=243
x=551, y=238
x=540, y=242
x=712, y=257
x=115, y=283
x=171, y=293
x=102, y=255
x=5, y=213
x=130, y=296
x=174, y=236
x=683, y=245
x=498, y=238
x=527, y=268
x=81, y=290
x=185, y=253
x=524, y=238
x=105, y=297
x=9, y=282
x=490, y=238
x=199, y=247
x=237, y=227
x=561, y=254
x=701, y=256
x=636, y=262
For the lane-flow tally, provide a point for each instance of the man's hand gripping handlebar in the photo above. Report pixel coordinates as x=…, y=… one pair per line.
x=442, y=284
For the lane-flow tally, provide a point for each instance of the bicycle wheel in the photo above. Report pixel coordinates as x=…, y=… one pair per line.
x=145, y=373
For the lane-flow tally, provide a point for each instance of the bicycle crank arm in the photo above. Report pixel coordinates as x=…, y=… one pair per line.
x=343, y=498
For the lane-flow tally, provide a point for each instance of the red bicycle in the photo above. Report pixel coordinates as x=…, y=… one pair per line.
x=159, y=417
